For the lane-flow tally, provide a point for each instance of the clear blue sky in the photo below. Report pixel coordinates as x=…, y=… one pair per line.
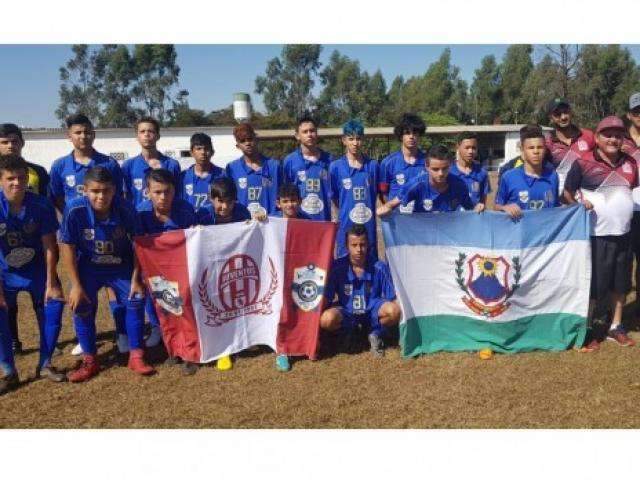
x=212, y=73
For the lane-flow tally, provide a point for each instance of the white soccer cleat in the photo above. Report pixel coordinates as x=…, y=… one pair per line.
x=77, y=350
x=122, y=342
x=154, y=338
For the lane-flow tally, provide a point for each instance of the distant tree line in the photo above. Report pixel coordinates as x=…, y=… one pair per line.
x=115, y=84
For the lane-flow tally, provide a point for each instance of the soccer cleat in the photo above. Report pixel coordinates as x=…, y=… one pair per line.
x=88, y=369
x=8, y=383
x=50, y=373
x=171, y=361
x=619, y=336
x=282, y=363
x=224, y=363
x=377, y=345
x=189, y=368
x=592, y=346
x=137, y=363
x=154, y=338
x=122, y=342
x=77, y=350
x=17, y=347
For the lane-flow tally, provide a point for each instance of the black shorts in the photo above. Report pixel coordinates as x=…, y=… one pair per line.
x=635, y=234
x=611, y=262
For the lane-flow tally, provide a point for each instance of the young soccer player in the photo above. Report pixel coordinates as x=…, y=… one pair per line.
x=437, y=191
x=604, y=179
x=11, y=143
x=223, y=207
x=196, y=180
x=365, y=295
x=288, y=203
x=308, y=168
x=28, y=227
x=405, y=164
x=467, y=169
x=135, y=169
x=535, y=185
x=67, y=183
x=256, y=176
x=354, y=187
x=97, y=250
x=163, y=212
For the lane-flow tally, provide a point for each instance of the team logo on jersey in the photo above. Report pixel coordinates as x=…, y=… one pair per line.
x=490, y=282
x=348, y=289
x=3, y=229
x=582, y=145
x=71, y=180
x=407, y=208
x=523, y=196
x=256, y=209
x=312, y=204
x=166, y=294
x=626, y=168
x=238, y=290
x=30, y=227
x=89, y=234
x=400, y=178
x=19, y=257
x=427, y=204
x=360, y=214
x=242, y=182
x=346, y=183
x=137, y=183
x=308, y=287
x=302, y=175
x=189, y=188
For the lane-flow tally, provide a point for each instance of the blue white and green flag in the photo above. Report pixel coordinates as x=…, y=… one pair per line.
x=468, y=281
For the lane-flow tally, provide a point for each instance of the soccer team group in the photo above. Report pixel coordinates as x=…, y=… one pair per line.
x=88, y=208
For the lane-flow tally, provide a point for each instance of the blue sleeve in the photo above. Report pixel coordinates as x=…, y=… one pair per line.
x=176, y=173
x=49, y=219
x=465, y=198
x=408, y=192
x=243, y=212
x=68, y=230
x=384, y=172
x=486, y=189
x=203, y=217
x=333, y=184
x=126, y=180
x=502, y=195
x=286, y=170
x=229, y=171
x=118, y=180
x=180, y=186
x=56, y=187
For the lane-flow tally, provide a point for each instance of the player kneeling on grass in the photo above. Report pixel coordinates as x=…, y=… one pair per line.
x=163, y=212
x=224, y=208
x=532, y=186
x=437, y=191
x=28, y=245
x=365, y=295
x=97, y=249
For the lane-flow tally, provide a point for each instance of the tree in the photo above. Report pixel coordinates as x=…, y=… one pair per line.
x=289, y=80
x=567, y=57
x=184, y=116
x=543, y=84
x=157, y=73
x=486, y=91
x=78, y=89
x=514, y=70
x=114, y=73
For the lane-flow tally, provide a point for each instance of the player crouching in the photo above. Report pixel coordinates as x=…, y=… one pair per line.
x=96, y=243
x=365, y=295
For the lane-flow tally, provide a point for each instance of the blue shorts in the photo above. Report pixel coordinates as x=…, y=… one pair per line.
x=33, y=282
x=369, y=319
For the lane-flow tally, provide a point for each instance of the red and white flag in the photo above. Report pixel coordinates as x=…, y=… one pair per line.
x=221, y=289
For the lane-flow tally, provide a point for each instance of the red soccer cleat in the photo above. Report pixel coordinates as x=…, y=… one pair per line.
x=87, y=370
x=137, y=363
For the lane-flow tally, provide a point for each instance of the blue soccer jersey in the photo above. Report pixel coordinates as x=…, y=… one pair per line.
x=360, y=297
x=207, y=215
x=427, y=199
x=529, y=192
x=312, y=180
x=101, y=245
x=134, y=171
x=21, y=236
x=354, y=191
x=477, y=181
x=395, y=172
x=195, y=189
x=67, y=175
x=257, y=189
x=181, y=216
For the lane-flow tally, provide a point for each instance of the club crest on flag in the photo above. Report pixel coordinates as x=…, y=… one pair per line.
x=308, y=286
x=487, y=285
x=238, y=285
x=166, y=294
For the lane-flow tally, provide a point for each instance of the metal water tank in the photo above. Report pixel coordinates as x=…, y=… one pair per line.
x=241, y=107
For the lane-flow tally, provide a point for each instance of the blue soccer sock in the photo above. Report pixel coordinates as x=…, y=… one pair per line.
x=84, y=321
x=50, y=332
x=118, y=312
x=6, y=349
x=154, y=321
x=134, y=320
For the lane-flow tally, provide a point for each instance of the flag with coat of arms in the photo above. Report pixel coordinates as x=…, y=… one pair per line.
x=223, y=288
